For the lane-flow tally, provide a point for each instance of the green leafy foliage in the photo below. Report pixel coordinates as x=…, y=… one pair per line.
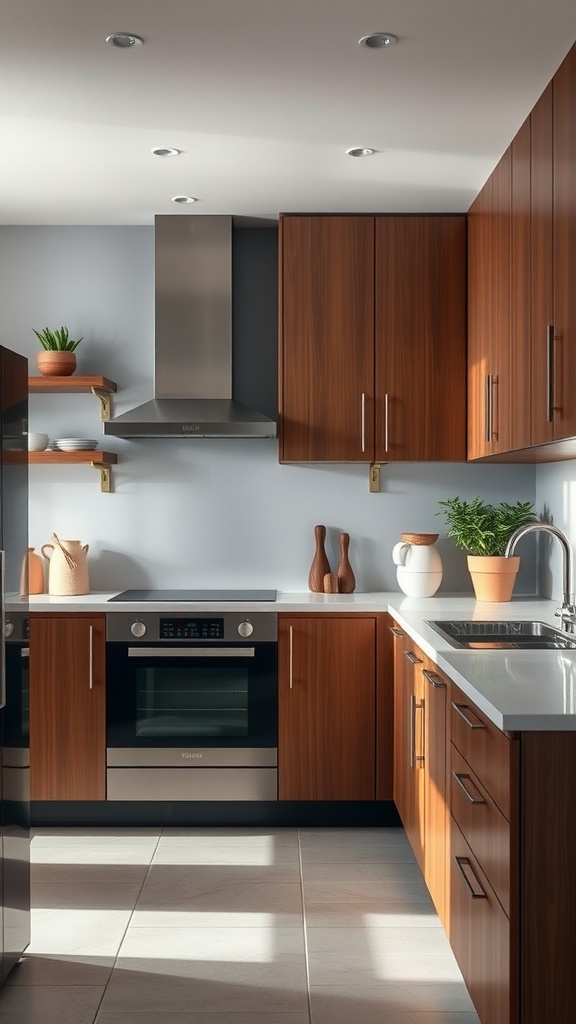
x=56, y=341
x=482, y=529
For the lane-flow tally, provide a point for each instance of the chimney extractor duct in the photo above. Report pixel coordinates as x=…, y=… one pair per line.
x=193, y=338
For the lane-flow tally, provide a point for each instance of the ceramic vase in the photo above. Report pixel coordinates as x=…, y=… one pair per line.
x=66, y=579
x=32, y=577
x=346, y=578
x=320, y=564
x=419, y=566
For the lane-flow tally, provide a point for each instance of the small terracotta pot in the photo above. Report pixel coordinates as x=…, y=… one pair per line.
x=493, y=577
x=56, y=363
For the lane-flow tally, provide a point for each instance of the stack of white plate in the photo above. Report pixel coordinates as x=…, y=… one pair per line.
x=75, y=444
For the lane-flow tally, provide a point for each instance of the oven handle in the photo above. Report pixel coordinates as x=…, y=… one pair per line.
x=191, y=652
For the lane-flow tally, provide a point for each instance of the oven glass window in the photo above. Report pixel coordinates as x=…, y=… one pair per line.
x=193, y=702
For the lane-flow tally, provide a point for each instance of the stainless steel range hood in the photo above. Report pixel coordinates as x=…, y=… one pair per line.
x=193, y=338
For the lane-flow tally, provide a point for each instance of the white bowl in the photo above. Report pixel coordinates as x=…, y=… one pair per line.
x=37, y=442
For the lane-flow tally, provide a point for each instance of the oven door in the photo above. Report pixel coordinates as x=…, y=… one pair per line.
x=189, y=695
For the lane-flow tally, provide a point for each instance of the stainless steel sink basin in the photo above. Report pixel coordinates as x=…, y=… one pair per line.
x=511, y=635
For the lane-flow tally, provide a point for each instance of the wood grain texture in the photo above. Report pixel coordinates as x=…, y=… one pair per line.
x=344, y=572
x=320, y=567
x=520, y=291
x=326, y=712
x=409, y=739
x=501, y=280
x=435, y=787
x=486, y=749
x=542, y=273
x=74, y=384
x=52, y=457
x=480, y=315
x=565, y=245
x=67, y=717
x=421, y=338
x=326, y=339
x=384, y=708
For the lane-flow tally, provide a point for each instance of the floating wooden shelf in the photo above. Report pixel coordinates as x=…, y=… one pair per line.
x=102, y=461
x=101, y=387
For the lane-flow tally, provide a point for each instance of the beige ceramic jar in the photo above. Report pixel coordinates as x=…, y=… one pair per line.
x=67, y=575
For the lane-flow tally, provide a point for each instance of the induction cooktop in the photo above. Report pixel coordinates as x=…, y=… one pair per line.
x=195, y=595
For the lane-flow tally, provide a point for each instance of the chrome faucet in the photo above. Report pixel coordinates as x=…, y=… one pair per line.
x=567, y=613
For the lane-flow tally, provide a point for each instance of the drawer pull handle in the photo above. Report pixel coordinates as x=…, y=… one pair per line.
x=461, y=710
x=396, y=632
x=416, y=759
x=474, y=799
x=413, y=658
x=465, y=866
x=434, y=678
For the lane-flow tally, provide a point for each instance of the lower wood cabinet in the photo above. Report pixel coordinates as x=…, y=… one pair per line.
x=67, y=707
x=327, y=668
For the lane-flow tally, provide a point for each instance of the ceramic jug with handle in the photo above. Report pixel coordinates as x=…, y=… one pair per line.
x=68, y=568
x=419, y=566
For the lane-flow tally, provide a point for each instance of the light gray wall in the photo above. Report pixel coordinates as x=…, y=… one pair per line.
x=556, y=500
x=200, y=512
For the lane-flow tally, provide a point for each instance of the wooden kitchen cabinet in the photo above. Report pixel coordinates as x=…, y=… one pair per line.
x=67, y=707
x=372, y=338
x=420, y=741
x=327, y=707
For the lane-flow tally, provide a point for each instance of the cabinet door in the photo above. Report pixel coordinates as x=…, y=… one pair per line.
x=565, y=247
x=480, y=314
x=541, y=243
x=326, y=397
x=409, y=738
x=420, y=338
x=67, y=708
x=326, y=707
x=521, y=270
x=435, y=786
x=501, y=282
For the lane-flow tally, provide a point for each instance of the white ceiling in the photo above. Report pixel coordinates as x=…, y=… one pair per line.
x=263, y=97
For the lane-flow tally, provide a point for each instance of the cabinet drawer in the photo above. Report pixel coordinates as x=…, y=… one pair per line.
x=484, y=827
x=483, y=746
x=480, y=935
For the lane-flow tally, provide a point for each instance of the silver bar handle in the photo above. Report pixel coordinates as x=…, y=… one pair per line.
x=191, y=652
x=493, y=384
x=363, y=422
x=91, y=657
x=396, y=632
x=2, y=629
x=415, y=706
x=386, y=431
x=550, y=372
x=434, y=679
x=291, y=655
x=465, y=868
x=413, y=657
x=487, y=409
x=462, y=779
x=460, y=709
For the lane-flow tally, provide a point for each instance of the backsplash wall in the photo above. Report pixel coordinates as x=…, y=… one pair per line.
x=556, y=500
x=202, y=512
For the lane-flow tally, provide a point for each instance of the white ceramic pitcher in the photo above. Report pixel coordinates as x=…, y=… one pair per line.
x=67, y=575
x=419, y=566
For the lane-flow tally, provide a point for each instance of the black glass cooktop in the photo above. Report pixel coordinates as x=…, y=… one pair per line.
x=195, y=595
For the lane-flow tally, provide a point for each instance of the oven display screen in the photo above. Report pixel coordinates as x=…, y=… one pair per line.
x=192, y=629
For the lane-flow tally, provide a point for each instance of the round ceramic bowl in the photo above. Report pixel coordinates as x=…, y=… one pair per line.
x=37, y=442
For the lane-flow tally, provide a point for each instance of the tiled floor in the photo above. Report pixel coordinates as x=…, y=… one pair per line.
x=232, y=926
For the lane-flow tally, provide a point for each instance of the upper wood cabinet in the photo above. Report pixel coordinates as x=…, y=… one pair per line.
x=372, y=338
x=326, y=707
x=67, y=707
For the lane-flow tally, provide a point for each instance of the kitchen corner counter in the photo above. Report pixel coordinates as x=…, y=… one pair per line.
x=517, y=690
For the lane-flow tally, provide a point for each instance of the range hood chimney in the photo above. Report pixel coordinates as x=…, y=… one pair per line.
x=193, y=338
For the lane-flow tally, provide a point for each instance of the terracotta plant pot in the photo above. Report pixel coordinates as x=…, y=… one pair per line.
x=55, y=363
x=493, y=577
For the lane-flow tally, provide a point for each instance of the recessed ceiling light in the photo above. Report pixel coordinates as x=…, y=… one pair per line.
x=124, y=40
x=166, y=151
x=184, y=199
x=378, y=40
x=360, y=151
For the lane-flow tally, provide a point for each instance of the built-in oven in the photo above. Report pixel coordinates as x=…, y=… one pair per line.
x=192, y=706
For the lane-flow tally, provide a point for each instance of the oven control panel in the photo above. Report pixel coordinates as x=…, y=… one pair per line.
x=192, y=629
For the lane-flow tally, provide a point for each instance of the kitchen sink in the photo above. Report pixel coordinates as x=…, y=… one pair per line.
x=509, y=635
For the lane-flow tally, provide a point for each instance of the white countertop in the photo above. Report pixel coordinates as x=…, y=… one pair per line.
x=531, y=690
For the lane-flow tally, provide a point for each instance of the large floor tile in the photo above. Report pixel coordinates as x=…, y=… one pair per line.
x=213, y=919
x=51, y=836
x=333, y=846
x=49, y=1004
x=138, y=988
x=90, y=886
x=354, y=956
x=374, y=896
x=361, y=871
x=396, y=915
x=216, y=890
x=208, y=1018
x=61, y=969
x=216, y=946
x=385, y=1004
x=266, y=858
x=82, y=932
x=138, y=852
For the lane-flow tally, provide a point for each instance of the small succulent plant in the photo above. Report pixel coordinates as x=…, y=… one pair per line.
x=56, y=341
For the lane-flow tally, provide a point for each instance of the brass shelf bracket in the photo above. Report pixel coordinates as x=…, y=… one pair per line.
x=105, y=403
x=374, y=478
x=105, y=470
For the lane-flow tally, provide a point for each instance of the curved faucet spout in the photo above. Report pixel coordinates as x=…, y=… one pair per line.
x=568, y=611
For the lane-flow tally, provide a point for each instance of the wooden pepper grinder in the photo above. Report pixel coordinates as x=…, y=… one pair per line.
x=320, y=564
x=346, y=578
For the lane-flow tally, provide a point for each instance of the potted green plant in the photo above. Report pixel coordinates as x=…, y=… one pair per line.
x=483, y=530
x=58, y=355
